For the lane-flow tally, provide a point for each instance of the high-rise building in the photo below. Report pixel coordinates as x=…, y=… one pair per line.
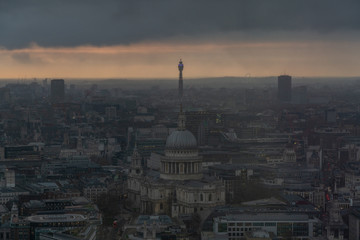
x=57, y=90
x=284, y=88
x=181, y=68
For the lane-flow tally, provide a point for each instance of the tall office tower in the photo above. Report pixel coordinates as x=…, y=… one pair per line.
x=284, y=88
x=57, y=90
x=181, y=68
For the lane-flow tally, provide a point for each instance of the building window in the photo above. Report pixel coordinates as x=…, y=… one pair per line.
x=161, y=206
x=258, y=224
x=210, y=197
x=300, y=229
x=222, y=227
x=284, y=229
x=270, y=224
x=201, y=197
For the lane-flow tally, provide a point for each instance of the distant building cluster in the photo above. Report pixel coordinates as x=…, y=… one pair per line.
x=274, y=158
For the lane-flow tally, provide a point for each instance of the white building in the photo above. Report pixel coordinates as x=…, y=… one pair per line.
x=235, y=226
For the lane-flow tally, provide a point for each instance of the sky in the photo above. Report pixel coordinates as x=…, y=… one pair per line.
x=146, y=38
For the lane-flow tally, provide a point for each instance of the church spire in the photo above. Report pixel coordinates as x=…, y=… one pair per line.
x=14, y=213
x=136, y=163
x=136, y=157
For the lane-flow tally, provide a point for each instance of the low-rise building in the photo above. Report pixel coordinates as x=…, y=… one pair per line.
x=8, y=194
x=280, y=224
x=93, y=191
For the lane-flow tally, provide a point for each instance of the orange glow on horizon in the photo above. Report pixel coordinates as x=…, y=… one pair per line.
x=159, y=60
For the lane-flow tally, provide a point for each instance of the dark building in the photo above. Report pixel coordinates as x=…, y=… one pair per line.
x=22, y=152
x=330, y=115
x=354, y=223
x=149, y=145
x=199, y=123
x=232, y=176
x=284, y=88
x=5, y=95
x=57, y=90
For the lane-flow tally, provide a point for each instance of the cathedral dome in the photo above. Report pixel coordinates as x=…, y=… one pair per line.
x=181, y=139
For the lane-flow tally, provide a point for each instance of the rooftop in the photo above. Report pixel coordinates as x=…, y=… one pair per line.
x=56, y=218
x=264, y=217
x=153, y=219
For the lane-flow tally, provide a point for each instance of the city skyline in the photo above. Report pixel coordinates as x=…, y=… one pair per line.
x=206, y=119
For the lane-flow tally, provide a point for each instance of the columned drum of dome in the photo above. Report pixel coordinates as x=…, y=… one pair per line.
x=181, y=164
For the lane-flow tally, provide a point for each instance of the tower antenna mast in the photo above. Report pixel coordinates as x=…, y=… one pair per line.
x=181, y=68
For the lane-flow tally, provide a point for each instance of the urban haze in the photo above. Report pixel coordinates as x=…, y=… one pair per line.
x=159, y=120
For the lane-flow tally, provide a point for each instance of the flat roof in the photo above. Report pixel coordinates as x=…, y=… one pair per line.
x=151, y=219
x=56, y=218
x=265, y=217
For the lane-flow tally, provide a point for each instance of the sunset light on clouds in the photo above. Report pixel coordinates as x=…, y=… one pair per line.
x=154, y=60
x=110, y=39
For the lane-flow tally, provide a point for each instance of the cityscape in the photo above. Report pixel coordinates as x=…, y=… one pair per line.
x=162, y=134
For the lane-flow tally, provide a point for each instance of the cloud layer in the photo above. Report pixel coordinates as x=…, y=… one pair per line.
x=153, y=60
x=145, y=38
x=113, y=22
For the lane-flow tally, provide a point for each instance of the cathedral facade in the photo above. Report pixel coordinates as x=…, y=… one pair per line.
x=180, y=187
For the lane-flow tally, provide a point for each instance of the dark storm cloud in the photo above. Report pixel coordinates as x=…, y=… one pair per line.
x=26, y=58
x=22, y=57
x=108, y=22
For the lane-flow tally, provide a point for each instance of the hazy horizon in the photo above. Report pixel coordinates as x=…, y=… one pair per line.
x=175, y=78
